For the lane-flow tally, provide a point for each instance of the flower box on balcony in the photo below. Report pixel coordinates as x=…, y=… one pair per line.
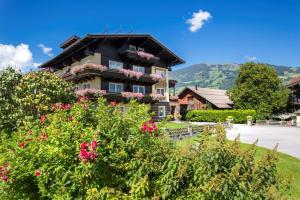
x=157, y=97
x=90, y=92
x=131, y=73
x=145, y=55
x=81, y=68
x=132, y=95
x=156, y=77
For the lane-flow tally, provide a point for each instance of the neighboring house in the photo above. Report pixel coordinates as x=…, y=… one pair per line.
x=118, y=66
x=294, y=86
x=194, y=98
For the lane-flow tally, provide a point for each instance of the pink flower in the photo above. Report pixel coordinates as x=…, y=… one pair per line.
x=44, y=136
x=131, y=73
x=149, y=127
x=83, y=145
x=132, y=95
x=37, y=173
x=113, y=103
x=70, y=118
x=90, y=92
x=4, y=178
x=65, y=106
x=94, y=144
x=83, y=67
x=43, y=119
x=22, y=145
x=29, y=132
x=145, y=55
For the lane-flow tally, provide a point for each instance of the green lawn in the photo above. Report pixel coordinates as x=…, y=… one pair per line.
x=175, y=125
x=288, y=166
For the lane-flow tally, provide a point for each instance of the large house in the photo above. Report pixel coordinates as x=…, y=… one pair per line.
x=119, y=67
x=294, y=86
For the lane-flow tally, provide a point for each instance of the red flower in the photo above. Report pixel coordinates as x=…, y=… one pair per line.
x=149, y=127
x=4, y=178
x=37, y=173
x=43, y=119
x=22, y=145
x=70, y=118
x=83, y=145
x=65, y=106
x=113, y=103
x=44, y=136
x=94, y=144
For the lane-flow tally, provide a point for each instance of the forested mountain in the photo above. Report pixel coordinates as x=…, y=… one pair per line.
x=219, y=75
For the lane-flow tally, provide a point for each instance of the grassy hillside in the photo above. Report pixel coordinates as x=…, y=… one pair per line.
x=219, y=75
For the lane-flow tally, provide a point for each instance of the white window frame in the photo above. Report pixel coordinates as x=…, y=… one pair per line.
x=115, y=87
x=161, y=89
x=164, y=111
x=138, y=88
x=137, y=68
x=113, y=64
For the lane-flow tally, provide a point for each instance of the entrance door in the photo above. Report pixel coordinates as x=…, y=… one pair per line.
x=161, y=111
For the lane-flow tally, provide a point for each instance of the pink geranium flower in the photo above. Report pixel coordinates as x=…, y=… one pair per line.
x=38, y=173
x=43, y=119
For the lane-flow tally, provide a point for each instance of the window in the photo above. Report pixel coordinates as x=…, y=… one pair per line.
x=191, y=103
x=161, y=111
x=138, y=68
x=161, y=72
x=86, y=86
x=116, y=87
x=115, y=65
x=160, y=91
x=139, y=89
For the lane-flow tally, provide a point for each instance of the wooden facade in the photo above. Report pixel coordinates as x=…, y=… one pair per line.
x=294, y=102
x=123, y=51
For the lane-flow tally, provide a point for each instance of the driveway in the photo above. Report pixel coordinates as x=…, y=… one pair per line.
x=288, y=138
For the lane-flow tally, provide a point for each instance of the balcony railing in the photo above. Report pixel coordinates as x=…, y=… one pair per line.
x=139, y=56
x=84, y=74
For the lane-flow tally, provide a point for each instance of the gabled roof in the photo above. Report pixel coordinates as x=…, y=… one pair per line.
x=216, y=97
x=81, y=43
x=294, y=81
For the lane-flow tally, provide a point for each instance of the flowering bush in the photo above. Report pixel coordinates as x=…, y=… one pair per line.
x=80, y=68
x=90, y=92
x=145, y=55
x=132, y=95
x=156, y=77
x=157, y=97
x=103, y=153
x=131, y=73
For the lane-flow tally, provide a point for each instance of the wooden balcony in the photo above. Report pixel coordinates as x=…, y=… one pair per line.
x=110, y=75
x=133, y=57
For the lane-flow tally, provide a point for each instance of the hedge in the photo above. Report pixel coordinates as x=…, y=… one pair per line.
x=239, y=116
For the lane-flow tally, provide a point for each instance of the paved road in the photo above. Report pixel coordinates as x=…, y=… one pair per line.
x=288, y=138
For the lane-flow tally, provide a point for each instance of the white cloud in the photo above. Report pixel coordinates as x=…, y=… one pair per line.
x=46, y=50
x=198, y=20
x=250, y=58
x=19, y=57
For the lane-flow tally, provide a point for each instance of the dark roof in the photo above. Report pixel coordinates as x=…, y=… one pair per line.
x=217, y=97
x=69, y=41
x=294, y=81
x=90, y=38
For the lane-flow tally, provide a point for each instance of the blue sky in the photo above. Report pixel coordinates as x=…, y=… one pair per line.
x=233, y=31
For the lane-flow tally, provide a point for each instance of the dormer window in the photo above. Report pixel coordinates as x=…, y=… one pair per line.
x=132, y=48
x=141, y=49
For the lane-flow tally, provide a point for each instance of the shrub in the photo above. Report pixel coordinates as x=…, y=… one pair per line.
x=79, y=152
x=239, y=116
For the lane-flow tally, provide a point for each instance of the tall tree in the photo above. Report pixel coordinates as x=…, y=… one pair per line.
x=258, y=87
